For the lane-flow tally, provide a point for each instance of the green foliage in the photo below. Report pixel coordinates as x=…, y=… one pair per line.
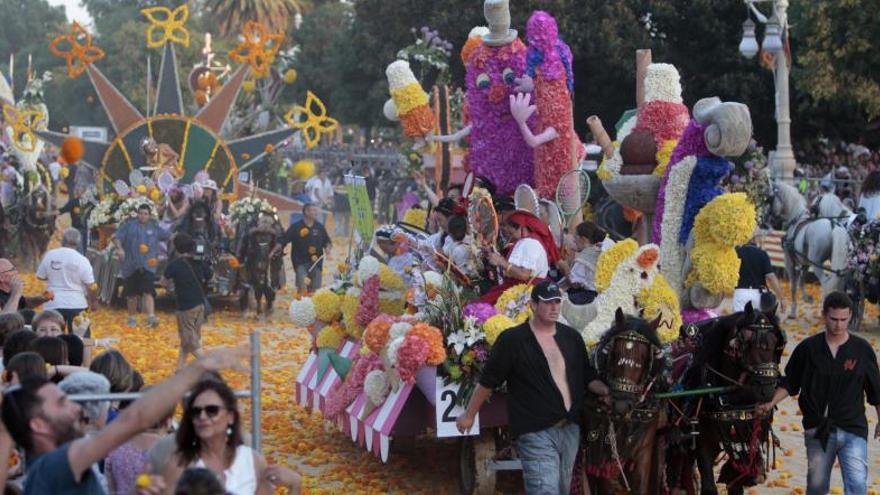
x=27, y=28
x=230, y=15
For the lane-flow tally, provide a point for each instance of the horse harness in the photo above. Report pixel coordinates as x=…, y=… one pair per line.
x=798, y=224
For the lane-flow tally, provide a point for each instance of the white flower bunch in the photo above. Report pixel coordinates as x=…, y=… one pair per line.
x=662, y=83
x=247, y=207
x=302, y=312
x=467, y=336
x=398, y=330
x=102, y=214
x=367, y=267
x=673, y=252
x=376, y=387
x=129, y=208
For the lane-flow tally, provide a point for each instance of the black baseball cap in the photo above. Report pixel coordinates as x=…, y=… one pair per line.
x=546, y=291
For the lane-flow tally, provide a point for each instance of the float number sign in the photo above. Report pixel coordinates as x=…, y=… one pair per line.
x=361, y=209
x=447, y=411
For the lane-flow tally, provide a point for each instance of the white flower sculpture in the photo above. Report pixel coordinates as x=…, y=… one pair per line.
x=672, y=252
x=398, y=330
x=367, y=267
x=376, y=387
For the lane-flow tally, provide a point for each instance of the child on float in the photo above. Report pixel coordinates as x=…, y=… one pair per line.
x=459, y=250
x=581, y=274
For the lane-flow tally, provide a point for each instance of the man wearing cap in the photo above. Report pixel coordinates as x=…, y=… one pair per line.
x=547, y=371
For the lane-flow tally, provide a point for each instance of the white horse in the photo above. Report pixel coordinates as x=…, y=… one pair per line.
x=809, y=243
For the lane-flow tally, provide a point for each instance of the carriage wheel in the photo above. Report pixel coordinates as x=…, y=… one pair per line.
x=474, y=477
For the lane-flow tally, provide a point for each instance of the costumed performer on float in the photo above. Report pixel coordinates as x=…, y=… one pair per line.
x=528, y=256
x=549, y=69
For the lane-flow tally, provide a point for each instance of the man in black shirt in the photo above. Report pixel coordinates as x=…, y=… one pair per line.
x=755, y=275
x=189, y=277
x=547, y=370
x=833, y=373
x=309, y=241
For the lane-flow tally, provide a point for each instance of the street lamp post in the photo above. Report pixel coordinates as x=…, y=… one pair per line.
x=782, y=161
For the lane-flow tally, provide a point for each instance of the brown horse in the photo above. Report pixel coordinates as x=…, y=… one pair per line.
x=261, y=269
x=741, y=351
x=620, y=434
x=36, y=226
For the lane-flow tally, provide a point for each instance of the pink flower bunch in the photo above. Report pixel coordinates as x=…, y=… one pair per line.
x=412, y=355
x=368, y=307
x=340, y=397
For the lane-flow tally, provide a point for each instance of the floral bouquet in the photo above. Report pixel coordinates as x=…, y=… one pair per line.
x=246, y=208
x=863, y=258
x=102, y=214
x=129, y=208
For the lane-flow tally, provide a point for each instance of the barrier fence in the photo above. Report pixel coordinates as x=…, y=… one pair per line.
x=253, y=394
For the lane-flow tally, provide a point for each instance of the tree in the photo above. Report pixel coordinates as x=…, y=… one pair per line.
x=28, y=27
x=230, y=15
x=836, y=67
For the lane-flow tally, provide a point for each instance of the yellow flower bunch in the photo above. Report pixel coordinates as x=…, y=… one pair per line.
x=350, y=303
x=389, y=279
x=610, y=259
x=716, y=268
x=409, y=97
x=660, y=300
x=330, y=336
x=514, y=303
x=494, y=326
x=328, y=305
x=726, y=222
x=416, y=216
x=663, y=155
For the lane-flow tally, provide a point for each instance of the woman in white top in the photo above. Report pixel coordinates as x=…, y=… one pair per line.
x=529, y=255
x=869, y=197
x=210, y=437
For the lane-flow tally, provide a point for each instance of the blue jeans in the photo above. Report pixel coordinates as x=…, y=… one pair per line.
x=548, y=458
x=852, y=452
x=302, y=272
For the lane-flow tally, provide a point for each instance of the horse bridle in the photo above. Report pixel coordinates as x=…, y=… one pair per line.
x=626, y=386
x=759, y=328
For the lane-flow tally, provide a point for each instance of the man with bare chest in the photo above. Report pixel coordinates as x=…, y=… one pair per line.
x=547, y=371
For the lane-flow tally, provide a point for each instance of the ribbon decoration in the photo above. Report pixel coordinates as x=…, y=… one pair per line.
x=316, y=120
x=80, y=52
x=170, y=22
x=258, y=48
x=23, y=123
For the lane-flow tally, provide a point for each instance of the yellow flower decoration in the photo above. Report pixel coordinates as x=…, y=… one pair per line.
x=663, y=155
x=494, y=326
x=389, y=279
x=609, y=260
x=258, y=48
x=23, y=123
x=316, y=120
x=290, y=76
x=166, y=25
x=514, y=303
x=393, y=306
x=328, y=305
x=660, y=300
x=304, y=169
x=303, y=231
x=80, y=51
x=330, y=336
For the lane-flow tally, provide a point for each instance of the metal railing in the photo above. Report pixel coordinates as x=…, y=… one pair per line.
x=253, y=394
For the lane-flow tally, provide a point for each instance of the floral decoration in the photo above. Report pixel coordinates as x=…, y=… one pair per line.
x=479, y=311
x=376, y=387
x=102, y=214
x=411, y=355
x=416, y=216
x=167, y=24
x=368, y=307
x=76, y=49
x=434, y=337
x=258, y=48
x=611, y=259
x=514, y=303
x=330, y=336
x=129, y=208
x=376, y=334
x=328, y=305
x=302, y=312
x=316, y=120
x=495, y=325
x=245, y=209
x=339, y=398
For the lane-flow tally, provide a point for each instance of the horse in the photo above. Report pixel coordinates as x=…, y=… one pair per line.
x=620, y=435
x=199, y=223
x=741, y=351
x=36, y=225
x=809, y=242
x=263, y=271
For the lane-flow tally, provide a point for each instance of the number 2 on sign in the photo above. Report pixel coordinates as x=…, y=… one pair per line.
x=447, y=411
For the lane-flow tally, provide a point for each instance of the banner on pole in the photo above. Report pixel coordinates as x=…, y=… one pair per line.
x=361, y=208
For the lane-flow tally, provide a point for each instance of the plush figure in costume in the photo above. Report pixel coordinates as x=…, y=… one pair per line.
x=549, y=66
x=497, y=149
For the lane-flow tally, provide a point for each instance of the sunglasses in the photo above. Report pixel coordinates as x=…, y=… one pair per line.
x=211, y=411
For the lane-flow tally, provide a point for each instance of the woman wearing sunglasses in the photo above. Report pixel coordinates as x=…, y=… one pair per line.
x=210, y=437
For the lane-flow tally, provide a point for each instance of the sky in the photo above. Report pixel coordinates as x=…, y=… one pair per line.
x=75, y=11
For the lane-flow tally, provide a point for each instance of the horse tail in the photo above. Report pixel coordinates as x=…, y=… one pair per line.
x=839, y=249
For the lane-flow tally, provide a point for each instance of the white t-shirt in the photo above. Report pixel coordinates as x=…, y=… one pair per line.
x=871, y=204
x=320, y=190
x=55, y=170
x=531, y=255
x=68, y=275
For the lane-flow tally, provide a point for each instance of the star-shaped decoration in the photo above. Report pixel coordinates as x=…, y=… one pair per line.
x=258, y=48
x=166, y=25
x=76, y=49
x=23, y=123
x=316, y=120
